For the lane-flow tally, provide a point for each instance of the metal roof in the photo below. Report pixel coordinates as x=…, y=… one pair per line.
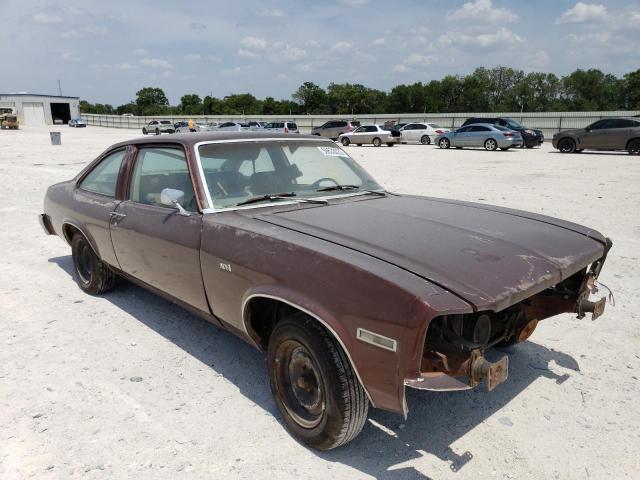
x=36, y=95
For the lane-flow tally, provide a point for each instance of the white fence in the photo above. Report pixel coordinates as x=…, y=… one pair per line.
x=548, y=122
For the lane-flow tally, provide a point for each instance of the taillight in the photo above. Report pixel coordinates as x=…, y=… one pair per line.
x=286, y=130
x=440, y=132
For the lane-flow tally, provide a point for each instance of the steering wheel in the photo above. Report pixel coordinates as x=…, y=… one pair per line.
x=324, y=179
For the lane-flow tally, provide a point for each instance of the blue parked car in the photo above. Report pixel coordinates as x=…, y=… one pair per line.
x=77, y=122
x=479, y=135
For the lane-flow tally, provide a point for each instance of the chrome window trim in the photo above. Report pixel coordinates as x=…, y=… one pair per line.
x=302, y=309
x=203, y=180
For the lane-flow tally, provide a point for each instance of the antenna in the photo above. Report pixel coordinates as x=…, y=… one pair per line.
x=59, y=88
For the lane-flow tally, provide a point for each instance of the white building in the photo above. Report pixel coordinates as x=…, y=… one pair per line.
x=33, y=109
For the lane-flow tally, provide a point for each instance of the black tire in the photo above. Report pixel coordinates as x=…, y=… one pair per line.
x=566, y=145
x=390, y=144
x=359, y=144
x=444, y=143
x=157, y=131
x=345, y=141
x=490, y=144
x=504, y=149
x=325, y=406
x=425, y=140
x=377, y=142
x=92, y=274
x=530, y=146
x=633, y=147
x=144, y=131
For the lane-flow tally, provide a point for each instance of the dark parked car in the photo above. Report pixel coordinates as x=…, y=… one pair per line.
x=531, y=137
x=334, y=128
x=605, y=134
x=354, y=292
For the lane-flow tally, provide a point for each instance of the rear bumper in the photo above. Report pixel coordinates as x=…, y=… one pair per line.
x=533, y=140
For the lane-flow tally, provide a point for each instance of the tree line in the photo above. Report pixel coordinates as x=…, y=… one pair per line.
x=499, y=89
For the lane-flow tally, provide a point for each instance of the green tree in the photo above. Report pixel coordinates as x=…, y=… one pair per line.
x=151, y=101
x=631, y=90
x=310, y=97
x=191, y=104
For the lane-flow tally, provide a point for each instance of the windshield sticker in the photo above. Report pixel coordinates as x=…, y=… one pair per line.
x=332, y=152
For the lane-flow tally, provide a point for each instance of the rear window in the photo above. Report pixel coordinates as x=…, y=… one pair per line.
x=292, y=126
x=355, y=124
x=165, y=122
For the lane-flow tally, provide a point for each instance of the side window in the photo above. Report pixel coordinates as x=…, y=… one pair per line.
x=104, y=177
x=359, y=130
x=464, y=129
x=600, y=124
x=622, y=123
x=157, y=169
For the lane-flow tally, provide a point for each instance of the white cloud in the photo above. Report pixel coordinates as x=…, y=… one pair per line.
x=482, y=11
x=254, y=43
x=401, y=68
x=155, y=63
x=125, y=66
x=70, y=57
x=342, y=46
x=583, y=12
x=214, y=59
x=504, y=37
x=288, y=53
x=379, y=41
x=139, y=52
x=244, y=53
x=71, y=35
x=418, y=59
x=354, y=3
x=270, y=12
x=47, y=18
x=193, y=57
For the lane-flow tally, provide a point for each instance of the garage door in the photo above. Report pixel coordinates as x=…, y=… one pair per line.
x=33, y=113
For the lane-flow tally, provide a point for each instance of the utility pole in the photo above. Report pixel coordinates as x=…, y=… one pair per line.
x=59, y=88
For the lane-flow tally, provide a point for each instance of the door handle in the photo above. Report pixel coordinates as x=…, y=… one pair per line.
x=115, y=217
x=117, y=214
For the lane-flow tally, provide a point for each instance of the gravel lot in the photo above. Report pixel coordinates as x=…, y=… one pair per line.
x=128, y=385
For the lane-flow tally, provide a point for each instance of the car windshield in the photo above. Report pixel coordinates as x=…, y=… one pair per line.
x=235, y=172
x=513, y=125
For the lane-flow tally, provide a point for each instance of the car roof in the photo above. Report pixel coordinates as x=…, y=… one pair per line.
x=190, y=139
x=479, y=125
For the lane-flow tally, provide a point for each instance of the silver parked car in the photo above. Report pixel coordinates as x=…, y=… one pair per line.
x=233, y=127
x=183, y=127
x=158, y=127
x=370, y=134
x=486, y=135
x=333, y=128
x=424, y=133
x=77, y=122
x=281, y=127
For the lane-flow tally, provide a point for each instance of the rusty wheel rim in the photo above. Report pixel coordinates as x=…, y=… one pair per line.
x=299, y=384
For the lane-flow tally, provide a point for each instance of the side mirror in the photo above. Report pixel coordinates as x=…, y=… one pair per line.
x=173, y=198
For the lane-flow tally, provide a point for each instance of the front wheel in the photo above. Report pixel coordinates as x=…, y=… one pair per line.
x=566, y=145
x=425, y=140
x=314, y=385
x=157, y=131
x=345, y=141
x=504, y=149
x=144, y=131
x=377, y=142
x=390, y=144
x=444, y=143
x=92, y=274
x=634, y=147
x=490, y=144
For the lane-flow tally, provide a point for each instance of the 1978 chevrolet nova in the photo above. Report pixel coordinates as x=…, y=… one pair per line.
x=354, y=292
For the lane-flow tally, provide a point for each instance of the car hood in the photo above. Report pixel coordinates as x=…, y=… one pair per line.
x=571, y=131
x=492, y=257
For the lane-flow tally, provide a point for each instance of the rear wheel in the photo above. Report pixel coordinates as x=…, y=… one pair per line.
x=444, y=143
x=634, y=147
x=566, y=145
x=425, y=140
x=92, y=274
x=345, y=141
x=314, y=385
x=359, y=144
x=490, y=144
x=390, y=144
x=504, y=149
x=377, y=142
x=157, y=131
x=144, y=131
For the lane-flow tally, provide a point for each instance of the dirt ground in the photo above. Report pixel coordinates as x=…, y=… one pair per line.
x=130, y=386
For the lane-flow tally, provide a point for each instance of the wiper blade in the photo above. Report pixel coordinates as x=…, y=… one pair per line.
x=334, y=188
x=280, y=196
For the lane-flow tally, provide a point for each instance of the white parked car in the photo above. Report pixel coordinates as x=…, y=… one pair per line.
x=424, y=133
x=375, y=135
x=233, y=127
x=281, y=127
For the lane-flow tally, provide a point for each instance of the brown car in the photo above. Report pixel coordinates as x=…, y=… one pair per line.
x=354, y=292
x=605, y=134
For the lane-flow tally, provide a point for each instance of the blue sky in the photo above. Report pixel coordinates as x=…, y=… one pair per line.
x=105, y=51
